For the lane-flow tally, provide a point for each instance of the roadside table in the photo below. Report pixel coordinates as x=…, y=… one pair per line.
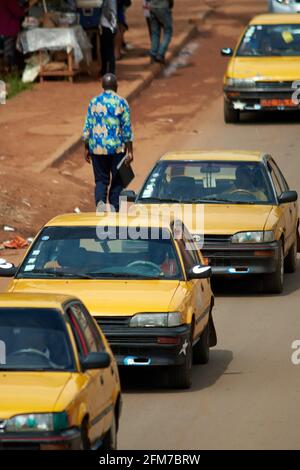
x=73, y=40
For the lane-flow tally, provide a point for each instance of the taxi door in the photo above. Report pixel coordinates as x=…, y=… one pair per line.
x=96, y=393
x=200, y=288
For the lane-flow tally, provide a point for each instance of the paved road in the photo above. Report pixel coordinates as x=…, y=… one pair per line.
x=248, y=396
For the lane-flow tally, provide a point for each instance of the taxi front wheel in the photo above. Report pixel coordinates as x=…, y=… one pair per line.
x=290, y=262
x=231, y=115
x=181, y=376
x=273, y=283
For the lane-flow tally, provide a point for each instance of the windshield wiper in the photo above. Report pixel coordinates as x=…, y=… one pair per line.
x=61, y=274
x=121, y=275
x=227, y=201
x=159, y=199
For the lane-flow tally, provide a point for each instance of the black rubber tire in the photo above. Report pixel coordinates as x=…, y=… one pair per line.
x=85, y=442
x=181, y=376
x=201, y=348
x=231, y=116
x=110, y=440
x=290, y=262
x=273, y=283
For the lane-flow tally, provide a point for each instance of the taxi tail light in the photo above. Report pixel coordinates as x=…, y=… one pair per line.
x=168, y=340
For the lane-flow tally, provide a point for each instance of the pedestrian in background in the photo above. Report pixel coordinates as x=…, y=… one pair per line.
x=108, y=29
x=108, y=138
x=11, y=14
x=161, y=20
x=146, y=9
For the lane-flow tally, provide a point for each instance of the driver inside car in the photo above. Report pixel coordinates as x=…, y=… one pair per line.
x=244, y=184
x=163, y=258
x=70, y=257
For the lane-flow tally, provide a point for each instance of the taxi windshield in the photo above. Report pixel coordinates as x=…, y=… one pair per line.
x=102, y=252
x=208, y=181
x=34, y=339
x=270, y=40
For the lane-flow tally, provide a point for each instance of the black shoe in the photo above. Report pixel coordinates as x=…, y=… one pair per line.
x=160, y=59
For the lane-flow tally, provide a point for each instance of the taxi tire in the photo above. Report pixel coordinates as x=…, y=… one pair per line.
x=110, y=440
x=180, y=377
x=85, y=442
x=273, y=283
x=231, y=116
x=290, y=262
x=201, y=348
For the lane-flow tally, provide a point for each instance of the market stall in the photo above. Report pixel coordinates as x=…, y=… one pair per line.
x=54, y=38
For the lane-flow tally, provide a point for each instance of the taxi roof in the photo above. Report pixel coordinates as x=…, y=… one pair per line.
x=110, y=219
x=216, y=155
x=276, y=18
x=33, y=300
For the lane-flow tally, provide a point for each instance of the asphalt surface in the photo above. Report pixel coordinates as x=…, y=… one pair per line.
x=248, y=395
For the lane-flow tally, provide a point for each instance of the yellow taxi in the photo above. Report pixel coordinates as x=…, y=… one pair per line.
x=59, y=380
x=264, y=70
x=249, y=214
x=143, y=281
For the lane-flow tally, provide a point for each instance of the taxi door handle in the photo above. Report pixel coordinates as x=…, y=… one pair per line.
x=101, y=380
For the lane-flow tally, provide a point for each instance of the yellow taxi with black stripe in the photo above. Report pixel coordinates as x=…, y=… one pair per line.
x=144, y=282
x=59, y=381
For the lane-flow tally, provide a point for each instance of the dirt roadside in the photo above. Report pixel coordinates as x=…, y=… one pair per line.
x=37, y=122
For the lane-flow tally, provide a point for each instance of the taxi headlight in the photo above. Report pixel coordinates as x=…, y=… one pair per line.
x=148, y=320
x=240, y=82
x=261, y=236
x=37, y=422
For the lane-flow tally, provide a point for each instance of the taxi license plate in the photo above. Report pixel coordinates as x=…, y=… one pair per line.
x=275, y=103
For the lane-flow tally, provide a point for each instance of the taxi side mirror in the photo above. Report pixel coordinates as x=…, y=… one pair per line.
x=200, y=272
x=288, y=196
x=129, y=195
x=7, y=269
x=227, y=51
x=96, y=360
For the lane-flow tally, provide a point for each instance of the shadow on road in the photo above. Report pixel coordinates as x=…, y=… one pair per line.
x=271, y=118
x=253, y=286
x=147, y=380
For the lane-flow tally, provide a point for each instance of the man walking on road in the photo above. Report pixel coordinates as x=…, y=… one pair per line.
x=108, y=138
x=160, y=19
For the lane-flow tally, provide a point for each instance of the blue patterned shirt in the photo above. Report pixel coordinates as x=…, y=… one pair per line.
x=108, y=125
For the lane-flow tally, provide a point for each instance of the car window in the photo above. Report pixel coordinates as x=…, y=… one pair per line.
x=188, y=250
x=102, y=253
x=280, y=177
x=270, y=40
x=35, y=339
x=279, y=188
x=84, y=325
x=80, y=341
x=208, y=181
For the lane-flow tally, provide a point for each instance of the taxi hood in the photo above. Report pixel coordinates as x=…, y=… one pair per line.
x=227, y=219
x=108, y=297
x=30, y=392
x=265, y=68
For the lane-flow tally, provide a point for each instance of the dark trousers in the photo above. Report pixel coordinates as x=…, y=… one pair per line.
x=105, y=172
x=108, y=62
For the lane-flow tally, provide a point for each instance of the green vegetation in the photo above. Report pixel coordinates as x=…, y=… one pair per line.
x=15, y=85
